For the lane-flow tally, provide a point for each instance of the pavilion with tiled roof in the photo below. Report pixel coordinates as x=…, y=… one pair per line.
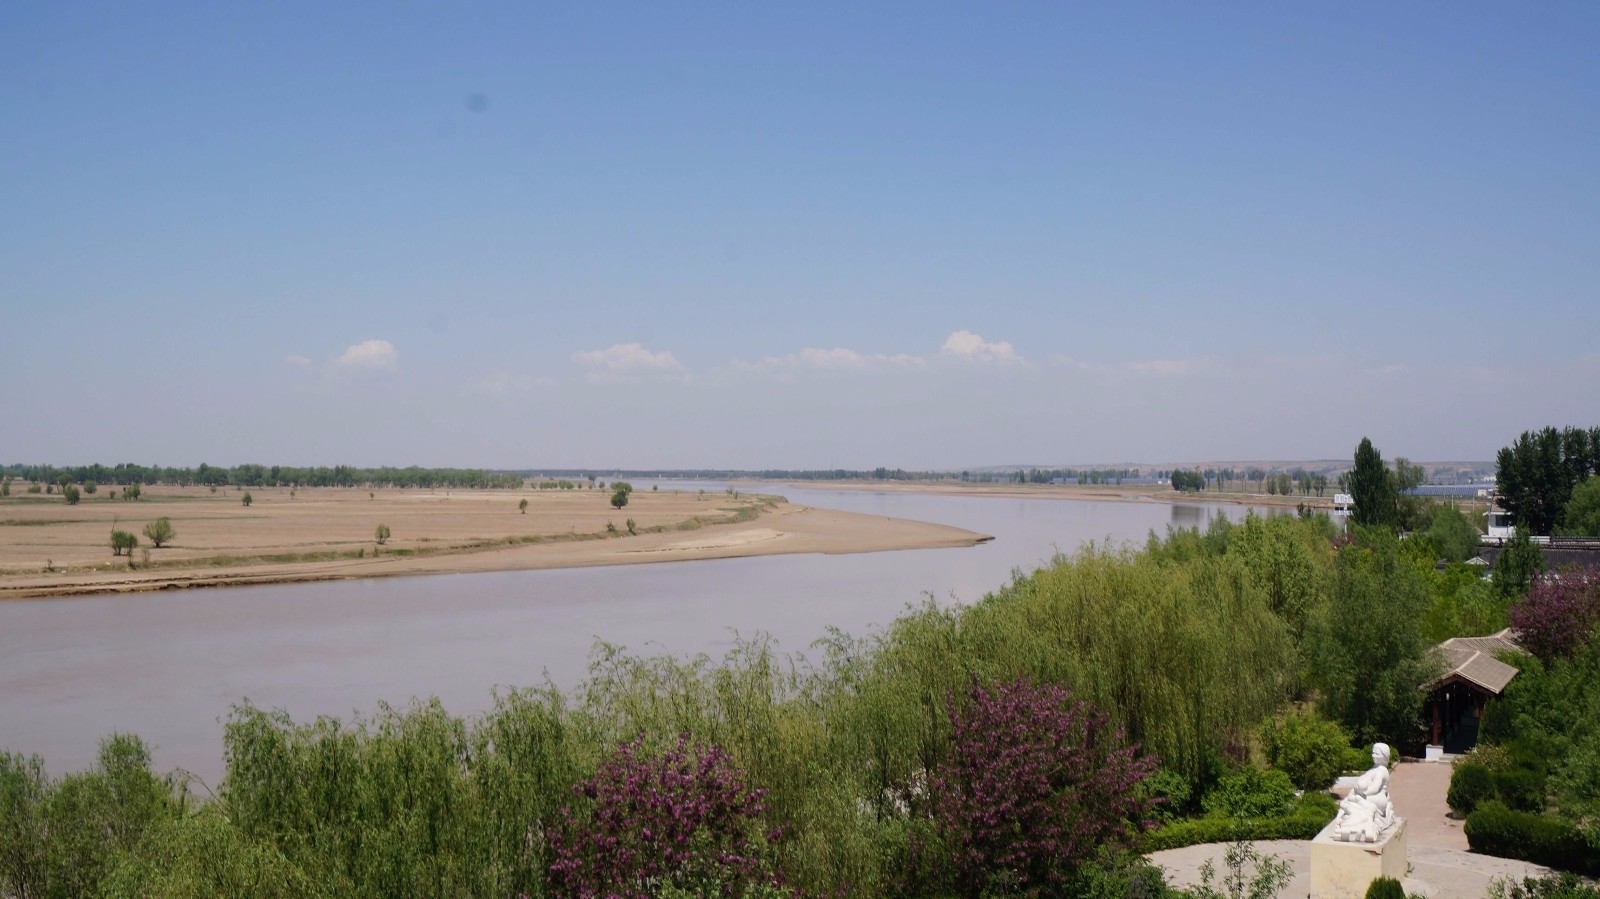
x=1471, y=678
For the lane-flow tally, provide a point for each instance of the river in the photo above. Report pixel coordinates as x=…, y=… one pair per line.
x=169, y=665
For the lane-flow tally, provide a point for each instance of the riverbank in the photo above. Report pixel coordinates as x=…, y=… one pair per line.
x=1115, y=493
x=289, y=536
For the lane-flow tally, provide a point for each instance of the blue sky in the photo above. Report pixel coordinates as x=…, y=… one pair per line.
x=800, y=235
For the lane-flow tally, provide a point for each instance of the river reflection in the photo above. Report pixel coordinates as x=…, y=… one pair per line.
x=168, y=665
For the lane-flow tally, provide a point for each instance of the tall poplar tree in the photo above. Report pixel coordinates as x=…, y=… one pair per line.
x=1372, y=487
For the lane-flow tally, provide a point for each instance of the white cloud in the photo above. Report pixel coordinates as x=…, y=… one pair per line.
x=626, y=361
x=370, y=354
x=298, y=361
x=970, y=347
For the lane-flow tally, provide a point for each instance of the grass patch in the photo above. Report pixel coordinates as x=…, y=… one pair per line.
x=43, y=522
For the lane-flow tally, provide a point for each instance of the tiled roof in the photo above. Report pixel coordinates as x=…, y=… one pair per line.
x=1472, y=659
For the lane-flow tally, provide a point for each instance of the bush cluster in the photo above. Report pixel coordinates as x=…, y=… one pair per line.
x=1310, y=749
x=1565, y=885
x=1250, y=793
x=1494, y=829
x=1310, y=814
x=1385, y=888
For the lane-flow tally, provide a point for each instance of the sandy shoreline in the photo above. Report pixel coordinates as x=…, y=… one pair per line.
x=1131, y=493
x=777, y=528
x=48, y=548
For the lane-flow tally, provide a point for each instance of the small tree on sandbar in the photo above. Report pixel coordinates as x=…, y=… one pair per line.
x=247, y=499
x=523, y=506
x=123, y=543
x=381, y=535
x=160, y=532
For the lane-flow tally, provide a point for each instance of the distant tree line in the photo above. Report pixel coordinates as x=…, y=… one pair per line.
x=771, y=474
x=252, y=475
x=1539, y=473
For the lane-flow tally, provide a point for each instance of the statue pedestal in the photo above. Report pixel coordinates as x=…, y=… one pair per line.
x=1344, y=870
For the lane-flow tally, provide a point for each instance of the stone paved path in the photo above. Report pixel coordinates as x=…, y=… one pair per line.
x=1441, y=865
x=1417, y=790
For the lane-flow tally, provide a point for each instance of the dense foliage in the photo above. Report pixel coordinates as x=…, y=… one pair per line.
x=683, y=819
x=1559, y=613
x=1582, y=518
x=1035, y=783
x=1366, y=650
x=1536, y=474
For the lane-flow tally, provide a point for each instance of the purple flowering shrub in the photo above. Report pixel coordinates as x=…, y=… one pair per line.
x=1558, y=613
x=681, y=821
x=1035, y=783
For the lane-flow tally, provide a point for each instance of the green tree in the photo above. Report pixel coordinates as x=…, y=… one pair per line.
x=247, y=499
x=1535, y=478
x=123, y=543
x=160, y=531
x=71, y=494
x=1455, y=536
x=619, y=499
x=1372, y=488
x=1519, y=562
x=523, y=506
x=381, y=534
x=90, y=487
x=1365, y=650
x=1583, y=510
x=1412, y=512
x=131, y=492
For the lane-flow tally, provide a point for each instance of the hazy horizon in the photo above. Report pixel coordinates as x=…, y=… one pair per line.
x=828, y=236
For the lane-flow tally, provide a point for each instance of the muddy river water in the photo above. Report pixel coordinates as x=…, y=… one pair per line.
x=168, y=666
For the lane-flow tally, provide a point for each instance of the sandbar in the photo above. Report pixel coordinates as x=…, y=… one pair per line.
x=319, y=534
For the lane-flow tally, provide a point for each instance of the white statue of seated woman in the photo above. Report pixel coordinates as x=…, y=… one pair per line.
x=1366, y=812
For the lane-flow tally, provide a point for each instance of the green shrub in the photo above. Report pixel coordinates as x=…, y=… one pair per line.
x=1356, y=760
x=1385, y=888
x=1534, y=751
x=1172, y=792
x=1519, y=788
x=1310, y=814
x=1499, y=722
x=123, y=543
x=1250, y=793
x=1470, y=785
x=1565, y=885
x=1497, y=830
x=1495, y=758
x=1305, y=746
